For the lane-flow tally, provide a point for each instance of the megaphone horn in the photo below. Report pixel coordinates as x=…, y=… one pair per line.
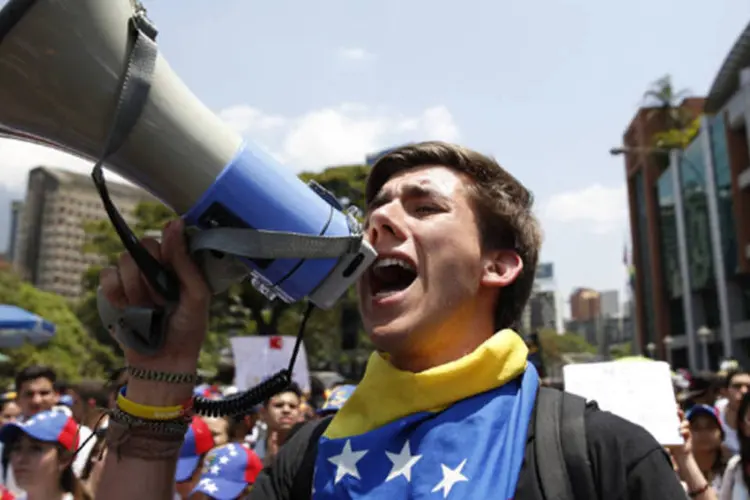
x=86, y=77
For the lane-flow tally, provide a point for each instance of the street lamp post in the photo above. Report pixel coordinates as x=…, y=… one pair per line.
x=687, y=303
x=651, y=348
x=668, y=348
x=704, y=333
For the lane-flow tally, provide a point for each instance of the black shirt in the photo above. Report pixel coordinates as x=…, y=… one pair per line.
x=627, y=463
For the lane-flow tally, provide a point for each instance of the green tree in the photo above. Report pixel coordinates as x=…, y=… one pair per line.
x=554, y=345
x=623, y=350
x=667, y=101
x=681, y=125
x=72, y=351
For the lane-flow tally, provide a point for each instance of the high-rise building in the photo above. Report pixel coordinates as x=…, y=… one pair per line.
x=50, y=236
x=690, y=223
x=542, y=310
x=584, y=304
x=609, y=304
x=16, y=211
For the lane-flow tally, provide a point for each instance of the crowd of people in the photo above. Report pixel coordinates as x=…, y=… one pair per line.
x=715, y=414
x=52, y=437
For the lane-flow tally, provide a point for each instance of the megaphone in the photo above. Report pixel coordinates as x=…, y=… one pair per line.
x=85, y=77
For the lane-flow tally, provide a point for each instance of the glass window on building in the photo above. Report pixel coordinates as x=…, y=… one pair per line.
x=725, y=202
x=669, y=253
x=698, y=230
x=723, y=175
x=647, y=311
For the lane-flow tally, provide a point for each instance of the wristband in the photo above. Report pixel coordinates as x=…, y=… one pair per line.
x=151, y=412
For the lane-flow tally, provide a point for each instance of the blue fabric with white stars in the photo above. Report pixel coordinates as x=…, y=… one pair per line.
x=473, y=449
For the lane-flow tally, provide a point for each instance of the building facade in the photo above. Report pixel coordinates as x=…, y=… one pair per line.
x=609, y=303
x=585, y=304
x=48, y=244
x=16, y=209
x=690, y=223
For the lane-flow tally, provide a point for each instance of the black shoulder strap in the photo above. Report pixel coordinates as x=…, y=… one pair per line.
x=575, y=447
x=302, y=485
x=550, y=459
x=560, y=447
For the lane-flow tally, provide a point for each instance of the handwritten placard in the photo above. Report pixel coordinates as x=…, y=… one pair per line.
x=260, y=357
x=638, y=391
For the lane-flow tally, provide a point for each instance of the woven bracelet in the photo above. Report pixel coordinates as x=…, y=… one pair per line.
x=142, y=443
x=165, y=427
x=167, y=377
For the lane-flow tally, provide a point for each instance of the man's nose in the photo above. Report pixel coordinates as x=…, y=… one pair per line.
x=385, y=222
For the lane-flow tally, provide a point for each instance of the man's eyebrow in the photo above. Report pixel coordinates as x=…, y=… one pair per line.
x=409, y=191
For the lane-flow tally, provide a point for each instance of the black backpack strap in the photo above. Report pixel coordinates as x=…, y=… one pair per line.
x=302, y=485
x=575, y=447
x=548, y=451
x=560, y=447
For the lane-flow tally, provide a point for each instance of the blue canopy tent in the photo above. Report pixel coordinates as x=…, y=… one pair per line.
x=18, y=326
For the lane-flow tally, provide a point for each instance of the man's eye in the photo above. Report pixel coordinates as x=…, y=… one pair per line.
x=427, y=209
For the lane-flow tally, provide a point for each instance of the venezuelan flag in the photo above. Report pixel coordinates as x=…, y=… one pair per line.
x=455, y=431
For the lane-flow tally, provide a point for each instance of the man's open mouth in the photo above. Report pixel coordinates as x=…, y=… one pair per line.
x=391, y=275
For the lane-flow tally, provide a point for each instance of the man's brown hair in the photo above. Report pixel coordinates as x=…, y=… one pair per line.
x=503, y=206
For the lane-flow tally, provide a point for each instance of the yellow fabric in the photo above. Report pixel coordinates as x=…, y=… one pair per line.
x=387, y=394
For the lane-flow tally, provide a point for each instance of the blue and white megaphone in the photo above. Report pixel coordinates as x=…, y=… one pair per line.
x=85, y=76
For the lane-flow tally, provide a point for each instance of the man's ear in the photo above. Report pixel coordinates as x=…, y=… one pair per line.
x=501, y=268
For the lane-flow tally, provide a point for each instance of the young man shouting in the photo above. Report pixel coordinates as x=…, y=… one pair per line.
x=445, y=406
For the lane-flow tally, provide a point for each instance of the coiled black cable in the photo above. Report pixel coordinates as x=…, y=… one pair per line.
x=242, y=403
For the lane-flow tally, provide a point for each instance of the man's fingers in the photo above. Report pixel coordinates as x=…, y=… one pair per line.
x=174, y=251
x=154, y=248
x=132, y=284
x=109, y=280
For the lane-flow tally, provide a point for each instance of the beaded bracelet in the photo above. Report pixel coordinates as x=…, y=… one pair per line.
x=167, y=377
x=146, y=412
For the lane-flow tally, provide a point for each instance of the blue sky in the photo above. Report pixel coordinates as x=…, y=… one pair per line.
x=547, y=87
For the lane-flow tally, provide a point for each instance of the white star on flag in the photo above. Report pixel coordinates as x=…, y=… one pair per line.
x=450, y=478
x=211, y=487
x=224, y=460
x=215, y=470
x=346, y=463
x=402, y=463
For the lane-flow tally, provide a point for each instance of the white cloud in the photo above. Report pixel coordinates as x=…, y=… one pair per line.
x=340, y=134
x=354, y=54
x=596, y=208
x=247, y=120
x=17, y=158
x=319, y=138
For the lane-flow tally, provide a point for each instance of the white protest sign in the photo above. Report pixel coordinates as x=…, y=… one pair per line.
x=258, y=358
x=638, y=391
